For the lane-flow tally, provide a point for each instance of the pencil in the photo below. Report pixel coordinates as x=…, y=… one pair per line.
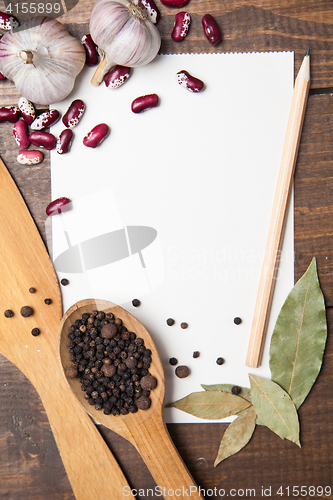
x=275, y=234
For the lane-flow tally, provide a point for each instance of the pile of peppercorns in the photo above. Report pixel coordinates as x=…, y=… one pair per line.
x=112, y=364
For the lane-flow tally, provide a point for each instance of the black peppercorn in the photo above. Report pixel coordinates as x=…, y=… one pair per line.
x=220, y=361
x=236, y=390
x=32, y=290
x=173, y=361
x=182, y=371
x=237, y=321
x=136, y=302
x=48, y=301
x=196, y=354
x=64, y=282
x=143, y=402
x=35, y=332
x=71, y=372
x=8, y=313
x=170, y=321
x=26, y=311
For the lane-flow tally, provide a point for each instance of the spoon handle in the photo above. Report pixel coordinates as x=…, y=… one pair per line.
x=91, y=467
x=153, y=442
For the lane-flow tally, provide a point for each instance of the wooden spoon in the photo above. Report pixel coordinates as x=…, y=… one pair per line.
x=146, y=430
x=24, y=263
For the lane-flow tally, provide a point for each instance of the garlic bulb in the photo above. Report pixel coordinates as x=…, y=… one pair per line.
x=42, y=59
x=124, y=35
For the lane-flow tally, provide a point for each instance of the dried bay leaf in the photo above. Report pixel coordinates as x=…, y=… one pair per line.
x=245, y=392
x=237, y=435
x=299, y=337
x=275, y=408
x=211, y=405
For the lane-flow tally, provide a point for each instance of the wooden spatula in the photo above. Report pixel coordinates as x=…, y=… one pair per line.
x=24, y=263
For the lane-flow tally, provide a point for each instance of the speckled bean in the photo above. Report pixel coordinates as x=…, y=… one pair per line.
x=27, y=110
x=30, y=157
x=46, y=119
x=43, y=139
x=58, y=206
x=9, y=114
x=182, y=24
x=96, y=135
x=91, y=50
x=8, y=22
x=150, y=8
x=144, y=102
x=175, y=3
x=20, y=131
x=117, y=76
x=65, y=141
x=189, y=82
x=73, y=114
x=211, y=29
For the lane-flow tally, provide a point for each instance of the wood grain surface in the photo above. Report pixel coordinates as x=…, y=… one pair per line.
x=30, y=465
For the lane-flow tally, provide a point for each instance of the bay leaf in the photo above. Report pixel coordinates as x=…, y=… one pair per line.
x=211, y=405
x=237, y=435
x=245, y=392
x=299, y=337
x=275, y=408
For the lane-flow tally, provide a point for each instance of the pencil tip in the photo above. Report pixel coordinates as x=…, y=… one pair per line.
x=307, y=52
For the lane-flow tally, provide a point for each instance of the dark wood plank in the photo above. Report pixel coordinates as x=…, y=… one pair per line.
x=31, y=469
x=314, y=193
x=246, y=26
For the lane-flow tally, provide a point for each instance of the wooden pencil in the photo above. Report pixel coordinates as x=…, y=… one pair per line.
x=282, y=194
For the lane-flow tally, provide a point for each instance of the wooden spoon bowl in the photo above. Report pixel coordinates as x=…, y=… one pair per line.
x=145, y=429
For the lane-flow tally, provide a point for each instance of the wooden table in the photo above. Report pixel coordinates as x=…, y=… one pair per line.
x=30, y=465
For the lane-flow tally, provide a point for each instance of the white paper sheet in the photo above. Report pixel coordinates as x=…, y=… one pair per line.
x=200, y=171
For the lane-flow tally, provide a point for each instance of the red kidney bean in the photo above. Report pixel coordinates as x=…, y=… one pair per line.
x=189, y=82
x=182, y=24
x=211, y=29
x=43, y=139
x=64, y=141
x=27, y=110
x=151, y=9
x=117, y=76
x=58, y=206
x=2, y=77
x=30, y=157
x=175, y=3
x=8, y=22
x=9, y=114
x=144, y=102
x=20, y=131
x=91, y=50
x=46, y=119
x=96, y=135
x=73, y=114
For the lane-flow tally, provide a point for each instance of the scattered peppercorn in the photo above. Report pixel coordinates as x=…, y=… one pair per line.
x=236, y=390
x=173, y=361
x=26, y=311
x=32, y=290
x=170, y=321
x=112, y=364
x=182, y=371
x=220, y=361
x=183, y=325
x=148, y=382
x=196, y=354
x=35, y=332
x=8, y=313
x=48, y=301
x=64, y=281
x=136, y=302
x=237, y=321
